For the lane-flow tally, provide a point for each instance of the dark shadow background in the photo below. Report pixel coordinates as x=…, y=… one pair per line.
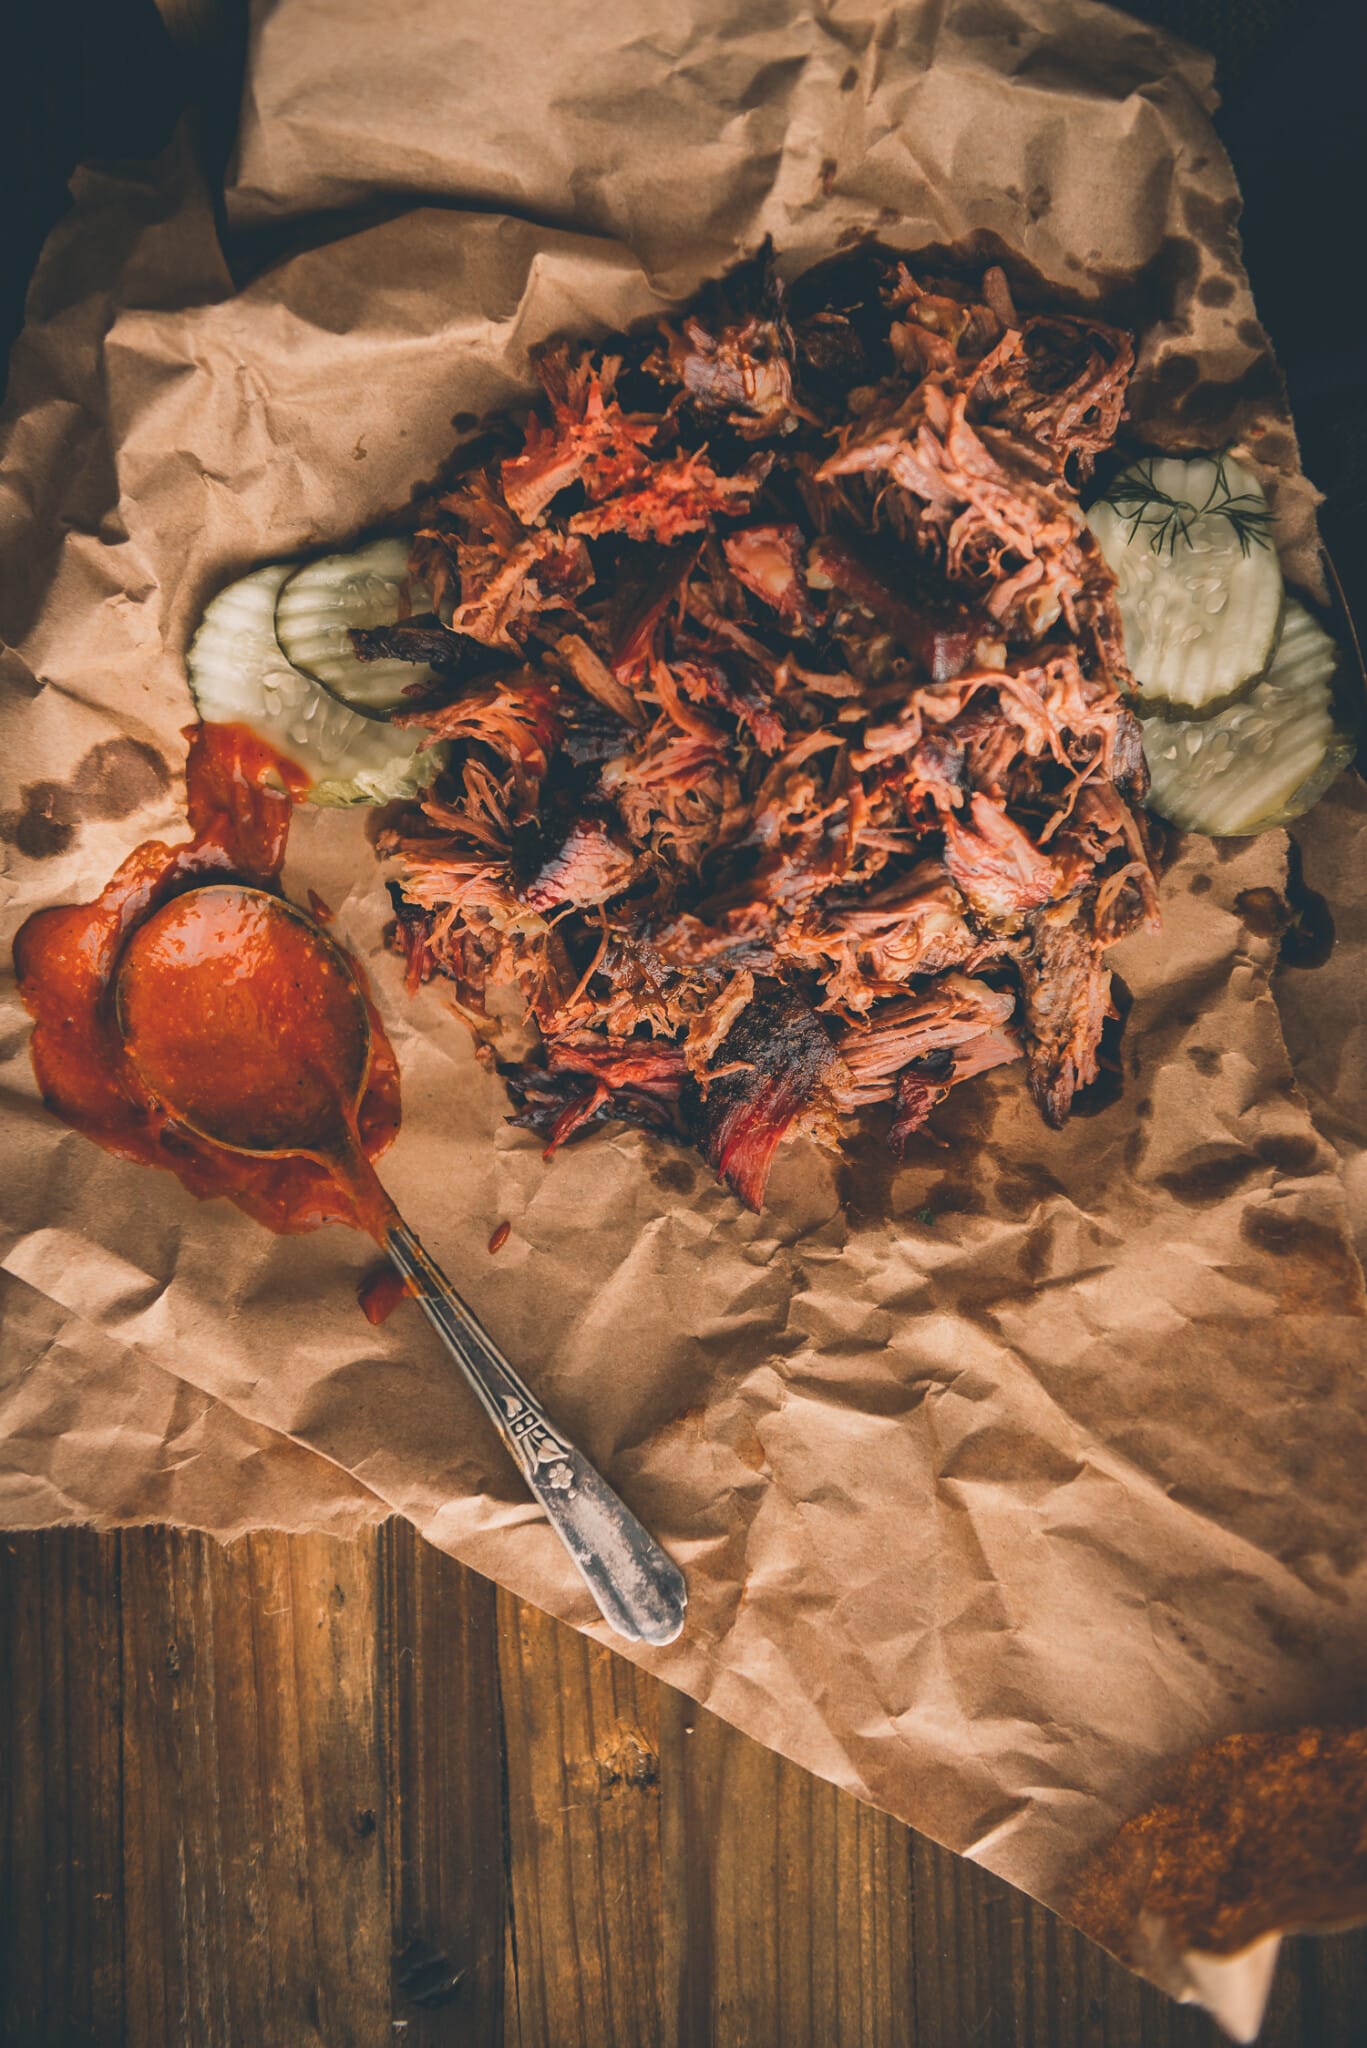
x=104, y=79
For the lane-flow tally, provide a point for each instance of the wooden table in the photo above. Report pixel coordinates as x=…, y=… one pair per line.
x=302, y=1791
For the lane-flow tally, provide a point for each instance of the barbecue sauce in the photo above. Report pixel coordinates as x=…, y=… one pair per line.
x=239, y=800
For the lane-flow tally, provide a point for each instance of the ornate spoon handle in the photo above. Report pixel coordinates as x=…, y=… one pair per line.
x=640, y=1591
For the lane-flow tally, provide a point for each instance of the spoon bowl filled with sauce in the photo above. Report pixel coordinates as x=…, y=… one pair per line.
x=246, y=1023
x=247, y=1027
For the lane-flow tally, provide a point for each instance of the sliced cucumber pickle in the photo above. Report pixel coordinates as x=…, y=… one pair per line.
x=238, y=676
x=1263, y=761
x=321, y=602
x=1197, y=579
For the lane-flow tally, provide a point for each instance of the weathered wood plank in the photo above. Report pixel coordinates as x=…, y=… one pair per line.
x=581, y=1729
x=442, y=1743
x=61, y=1908
x=787, y=1902
x=255, y=1901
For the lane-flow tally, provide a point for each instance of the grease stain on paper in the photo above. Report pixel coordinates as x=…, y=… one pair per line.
x=115, y=779
x=1309, y=937
x=1210, y=1180
x=674, y=1177
x=1263, y=911
x=1290, y=1153
x=1318, y=1274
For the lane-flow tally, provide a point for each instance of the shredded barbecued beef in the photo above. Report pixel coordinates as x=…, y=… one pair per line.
x=590, y=866
x=768, y=560
x=589, y=439
x=941, y=639
x=784, y=692
x=1065, y=991
x=775, y=1068
x=586, y=1078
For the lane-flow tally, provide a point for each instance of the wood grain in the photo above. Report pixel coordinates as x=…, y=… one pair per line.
x=791, y=1902
x=61, y=1789
x=581, y=1729
x=443, y=1828
x=299, y=1791
x=254, y=1906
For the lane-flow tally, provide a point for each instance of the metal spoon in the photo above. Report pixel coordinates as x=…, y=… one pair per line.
x=189, y=986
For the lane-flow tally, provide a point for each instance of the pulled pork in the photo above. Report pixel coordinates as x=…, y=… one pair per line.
x=791, y=769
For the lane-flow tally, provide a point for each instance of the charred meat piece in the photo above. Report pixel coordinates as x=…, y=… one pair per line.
x=922, y=1086
x=429, y=646
x=774, y=1071
x=1065, y=1001
x=587, y=1078
x=942, y=639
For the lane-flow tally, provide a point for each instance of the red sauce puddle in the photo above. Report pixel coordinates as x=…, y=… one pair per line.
x=239, y=801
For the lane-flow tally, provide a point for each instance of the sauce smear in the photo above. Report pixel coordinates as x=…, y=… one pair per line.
x=201, y=981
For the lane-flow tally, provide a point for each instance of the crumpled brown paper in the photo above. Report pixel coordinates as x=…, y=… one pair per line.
x=1002, y=1480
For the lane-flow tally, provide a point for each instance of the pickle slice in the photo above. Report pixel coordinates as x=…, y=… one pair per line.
x=320, y=603
x=1198, y=582
x=1263, y=761
x=239, y=676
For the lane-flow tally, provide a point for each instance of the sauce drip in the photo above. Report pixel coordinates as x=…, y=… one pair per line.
x=239, y=800
x=380, y=1293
